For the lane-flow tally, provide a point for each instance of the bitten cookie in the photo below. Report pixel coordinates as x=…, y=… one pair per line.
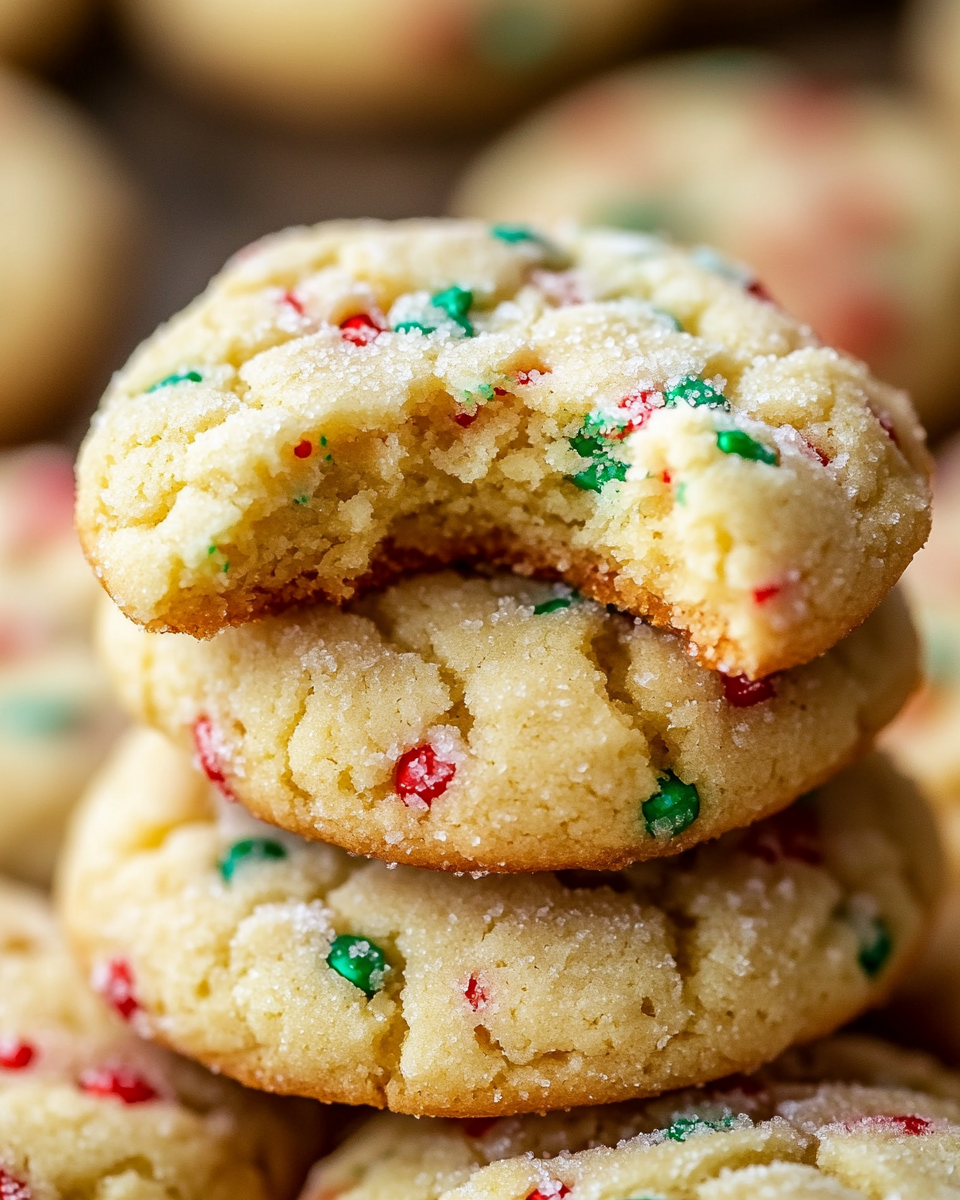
x=357, y=397
x=846, y=1118
x=294, y=967
x=843, y=203
x=57, y=716
x=501, y=724
x=67, y=219
x=413, y=63
x=88, y=1109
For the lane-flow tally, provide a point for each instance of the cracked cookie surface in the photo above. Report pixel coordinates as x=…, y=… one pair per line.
x=88, y=1109
x=501, y=724
x=296, y=968
x=352, y=399
x=845, y=1118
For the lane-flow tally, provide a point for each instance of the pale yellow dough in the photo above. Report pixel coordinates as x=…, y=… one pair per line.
x=67, y=235
x=302, y=465
x=57, y=716
x=558, y=725
x=841, y=203
x=414, y=63
x=497, y=995
x=199, y=1138
x=815, y=1125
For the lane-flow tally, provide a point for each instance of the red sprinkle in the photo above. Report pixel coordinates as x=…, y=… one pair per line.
x=114, y=982
x=12, y=1188
x=498, y=391
x=121, y=1082
x=666, y=477
x=303, y=449
x=465, y=419
x=887, y=426
x=207, y=744
x=289, y=298
x=15, y=1054
x=909, y=1125
x=421, y=774
x=745, y=693
x=525, y=377
x=792, y=834
x=639, y=406
x=360, y=330
x=476, y=994
x=758, y=290
x=562, y=1190
x=762, y=594
x=476, y=1127
x=816, y=452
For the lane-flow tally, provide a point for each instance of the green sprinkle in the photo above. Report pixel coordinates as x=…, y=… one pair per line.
x=249, y=850
x=456, y=302
x=602, y=470
x=485, y=390
x=876, y=946
x=554, y=605
x=300, y=499
x=697, y=392
x=225, y=568
x=211, y=550
x=323, y=440
x=670, y=319
x=411, y=326
x=673, y=809
x=170, y=380
x=680, y=492
x=39, y=716
x=359, y=961
x=735, y=441
x=515, y=233
x=682, y=1127
x=328, y=458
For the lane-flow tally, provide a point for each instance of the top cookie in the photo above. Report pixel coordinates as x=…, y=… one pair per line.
x=88, y=1109
x=355, y=397
x=846, y=1118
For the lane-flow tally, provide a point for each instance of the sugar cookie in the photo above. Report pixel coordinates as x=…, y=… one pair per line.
x=629, y=422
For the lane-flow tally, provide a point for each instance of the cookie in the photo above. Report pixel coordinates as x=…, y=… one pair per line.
x=69, y=221
x=842, y=202
x=933, y=47
x=924, y=740
x=57, y=717
x=87, y=1108
x=628, y=423
x=844, y=1118
x=297, y=968
x=502, y=724
x=36, y=31
x=413, y=63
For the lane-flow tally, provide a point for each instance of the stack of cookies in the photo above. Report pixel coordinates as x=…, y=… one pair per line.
x=508, y=616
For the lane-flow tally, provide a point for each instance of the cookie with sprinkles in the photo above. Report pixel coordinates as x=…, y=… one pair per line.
x=89, y=1109
x=57, y=716
x=840, y=201
x=419, y=64
x=846, y=1118
x=502, y=724
x=594, y=405
x=295, y=967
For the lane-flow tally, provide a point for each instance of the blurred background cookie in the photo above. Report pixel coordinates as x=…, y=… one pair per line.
x=36, y=31
x=67, y=234
x=843, y=202
x=56, y=715
x=437, y=63
x=933, y=44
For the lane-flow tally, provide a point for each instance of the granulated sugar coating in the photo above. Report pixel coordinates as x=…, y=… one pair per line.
x=596, y=406
x=297, y=968
x=846, y=1118
x=88, y=1109
x=502, y=724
